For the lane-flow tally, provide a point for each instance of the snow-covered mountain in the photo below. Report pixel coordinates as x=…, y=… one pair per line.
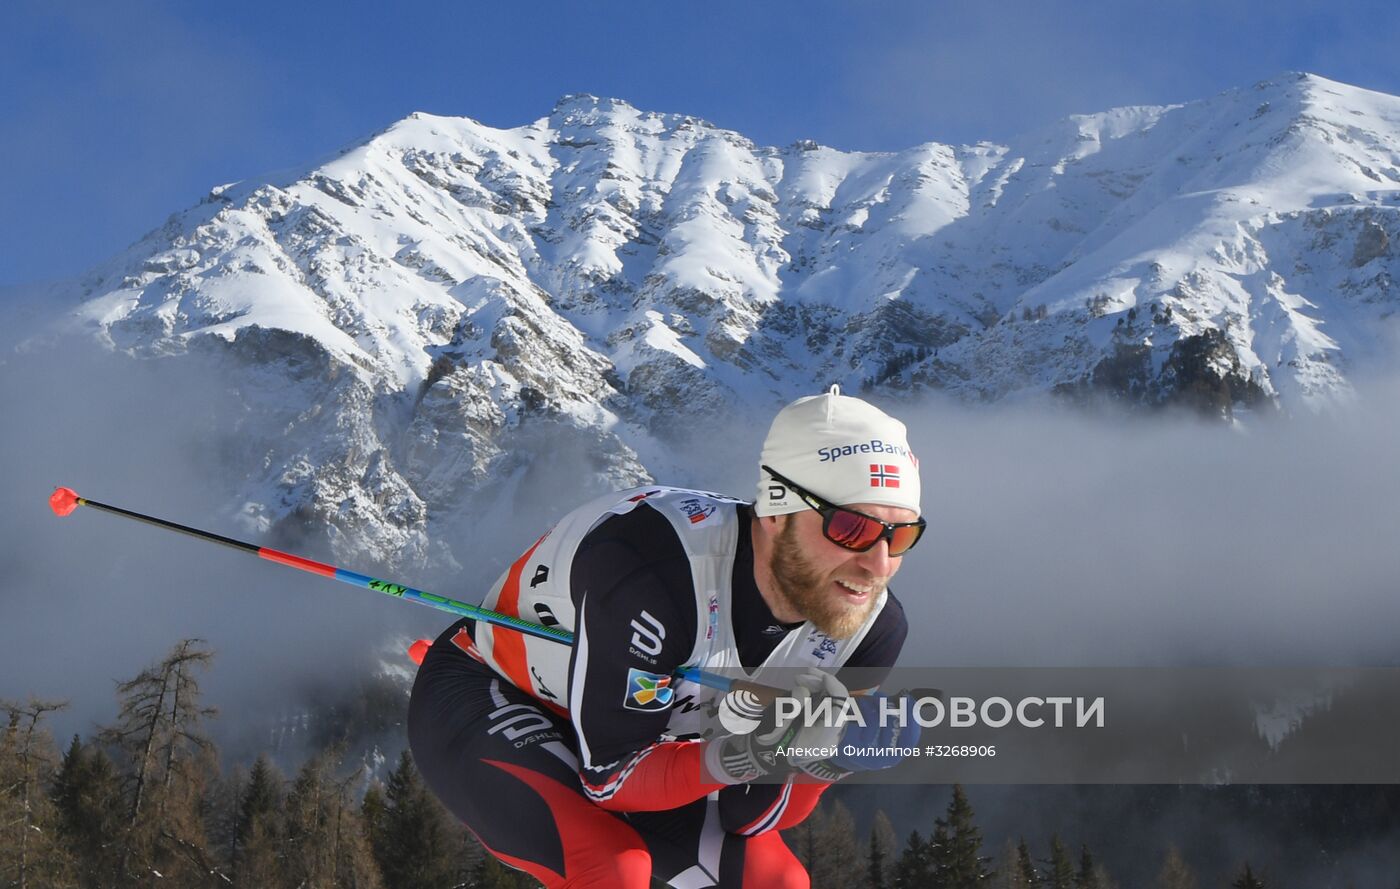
x=414, y=321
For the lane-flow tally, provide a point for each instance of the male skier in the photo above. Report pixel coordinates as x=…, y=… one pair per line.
x=595, y=765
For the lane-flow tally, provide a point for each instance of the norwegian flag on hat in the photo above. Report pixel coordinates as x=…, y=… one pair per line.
x=884, y=475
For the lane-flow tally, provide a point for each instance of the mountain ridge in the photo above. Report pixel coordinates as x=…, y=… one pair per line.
x=427, y=311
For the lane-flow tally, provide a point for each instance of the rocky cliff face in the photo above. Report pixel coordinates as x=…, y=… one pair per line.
x=405, y=329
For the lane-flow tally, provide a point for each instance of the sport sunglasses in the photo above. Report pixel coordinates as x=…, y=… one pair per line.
x=854, y=530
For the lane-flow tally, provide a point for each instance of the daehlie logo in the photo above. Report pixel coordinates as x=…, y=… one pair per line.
x=517, y=721
x=647, y=634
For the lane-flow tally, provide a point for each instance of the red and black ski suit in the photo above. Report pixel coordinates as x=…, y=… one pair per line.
x=589, y=785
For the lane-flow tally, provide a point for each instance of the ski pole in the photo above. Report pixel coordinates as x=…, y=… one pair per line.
x=64, y=500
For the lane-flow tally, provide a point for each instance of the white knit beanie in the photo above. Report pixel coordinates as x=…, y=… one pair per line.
x=840, y=448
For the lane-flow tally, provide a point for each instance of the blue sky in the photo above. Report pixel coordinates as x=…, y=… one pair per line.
x=113, y=115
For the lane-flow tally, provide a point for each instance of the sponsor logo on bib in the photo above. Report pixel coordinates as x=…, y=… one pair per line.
x=647, y=691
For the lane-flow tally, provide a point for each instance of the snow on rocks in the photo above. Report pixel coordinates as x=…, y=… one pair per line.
x=414, y=309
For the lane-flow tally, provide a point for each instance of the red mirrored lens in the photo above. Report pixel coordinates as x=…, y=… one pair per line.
x=852, y=530
x=904, y=538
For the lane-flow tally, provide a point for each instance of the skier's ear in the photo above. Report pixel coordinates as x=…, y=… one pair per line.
x=772, y=524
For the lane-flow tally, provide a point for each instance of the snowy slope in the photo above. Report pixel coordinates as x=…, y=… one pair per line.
x=420, y=316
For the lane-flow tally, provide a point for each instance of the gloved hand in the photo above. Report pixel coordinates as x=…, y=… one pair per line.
x=779, y=742
x=873, y=746
x=825, y=752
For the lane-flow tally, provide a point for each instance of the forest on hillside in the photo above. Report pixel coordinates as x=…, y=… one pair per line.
x=147, y=801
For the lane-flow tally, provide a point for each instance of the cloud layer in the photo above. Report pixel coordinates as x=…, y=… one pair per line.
x=1056, y=538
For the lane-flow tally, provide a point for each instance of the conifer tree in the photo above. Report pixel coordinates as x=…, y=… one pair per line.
x=1175, y=874
x=1247, y=879
x=1088, y=875
x=325, y=843
x=220, y=807
x=167, y=764
x=880, y=855
x=959, y=860
x=938, y=853
x=30, y=852
x=825, y=842
x=489, y=873
x=875, y=864
x=262, y=796
x=87, y=795
x=414, y=842
x=1025, y=866
x=914, y=870
x=1061, y=872
x=260, y=830
x=373, y=810
x=1008, y=872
